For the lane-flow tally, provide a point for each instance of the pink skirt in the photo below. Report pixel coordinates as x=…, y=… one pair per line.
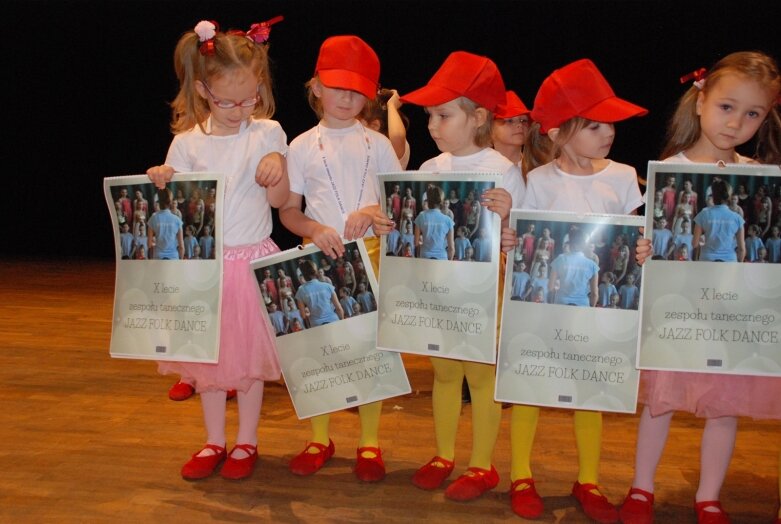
x=711, y=395
x=247, y=342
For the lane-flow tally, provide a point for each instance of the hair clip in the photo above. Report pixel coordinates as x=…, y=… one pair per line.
x=698, y=76
x=206, y=31
x=260, y=32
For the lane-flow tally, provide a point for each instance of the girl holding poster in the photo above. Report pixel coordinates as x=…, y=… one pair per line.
x=736, y=100
x=460, y=99
x=334, y=166
x=574, y=112
x=221, y=124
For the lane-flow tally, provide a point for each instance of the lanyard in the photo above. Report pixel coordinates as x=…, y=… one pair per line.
x=334, y=189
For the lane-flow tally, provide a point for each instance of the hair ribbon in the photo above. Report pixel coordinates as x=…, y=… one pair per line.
x=698, y=76
x=260, y=32
x=206, y=31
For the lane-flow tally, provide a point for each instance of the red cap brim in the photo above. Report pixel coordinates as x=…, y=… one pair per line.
x=343, y=79
x=430, y=95
x=613, y=109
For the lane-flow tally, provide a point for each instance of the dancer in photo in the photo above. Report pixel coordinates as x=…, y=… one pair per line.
x=434, y=230
x=165, y=230
x=573, y=277
x=221, y=124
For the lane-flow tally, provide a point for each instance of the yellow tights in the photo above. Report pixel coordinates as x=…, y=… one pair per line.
x=486, y=413
x=588, y=436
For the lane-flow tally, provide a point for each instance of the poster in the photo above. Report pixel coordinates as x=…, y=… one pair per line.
x=169, y=266
x=715, y=307
x=440, y=266
x=324, y=313
x=570, y=315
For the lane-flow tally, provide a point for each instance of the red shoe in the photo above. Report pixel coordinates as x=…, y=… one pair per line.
x=230, y=394
x=369, y=469
x=526, y=502
x=595, y=505
x=306, y=463
x=637, y=511
x=181, y=391
x=431, y=476
x=710, y=517
x=472, y=484
x=201, y=467
x=237, y=469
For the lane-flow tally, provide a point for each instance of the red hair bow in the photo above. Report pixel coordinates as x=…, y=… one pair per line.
x=697, y=76
x=260, y=32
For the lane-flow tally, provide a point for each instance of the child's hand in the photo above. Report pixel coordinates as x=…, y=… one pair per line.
x=358, y=222
x=509, y=239
x=381, y=224
x=643, y=250
x=271, y=169
x=160, y=175
x=499, y=201
x=328, y=240
x=394, y=101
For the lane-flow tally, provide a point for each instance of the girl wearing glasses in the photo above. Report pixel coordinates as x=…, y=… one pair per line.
x=221, y=124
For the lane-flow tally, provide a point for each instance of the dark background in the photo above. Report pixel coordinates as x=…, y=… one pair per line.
x=86, y=83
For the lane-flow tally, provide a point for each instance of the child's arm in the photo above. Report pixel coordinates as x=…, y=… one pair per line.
x=160, y=175
x=500, y=202
x=381, y=224
x=337, y=306
x=696, y=236
x=271, y=173
x=740, y=238
x=509, y=239
x=451, y=250
x=397, y=134
x=180, y=244
x=594, y=284
x=326, y=238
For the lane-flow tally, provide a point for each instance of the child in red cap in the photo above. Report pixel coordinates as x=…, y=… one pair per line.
x=460, y=99
x=334, y=166
x=509, y=128
x=571, y=136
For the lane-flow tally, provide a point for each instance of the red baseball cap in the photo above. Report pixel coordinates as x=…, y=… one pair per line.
x=579, y=89
x=347, y=62
x=462, y=74
x=513, y=107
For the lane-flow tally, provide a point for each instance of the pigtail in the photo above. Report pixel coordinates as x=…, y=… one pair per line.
x=683, y=130
x=188, y=108
x=768, y=149
x=537, y=151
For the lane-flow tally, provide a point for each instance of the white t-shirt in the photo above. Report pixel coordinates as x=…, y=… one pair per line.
x=681, y=158
x=345, y=151
x=246, y=213
x=613, y=190
x=486, y=160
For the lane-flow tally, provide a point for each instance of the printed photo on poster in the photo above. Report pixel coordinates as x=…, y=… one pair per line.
x=433, y=300
x=570, y=316
x=175, y=223
x=721, y=314
x=324, y=314
x=438, y=219
x=169, y=262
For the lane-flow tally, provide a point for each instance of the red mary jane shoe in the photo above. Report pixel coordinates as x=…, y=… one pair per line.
x=201, y=467
x=306, y=463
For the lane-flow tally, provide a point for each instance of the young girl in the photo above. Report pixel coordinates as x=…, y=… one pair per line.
x=733, y=103
x=573, y=113
x=460, y=100
x=508, y=130
x=221, y=124
x=669, y=199
x=383, y=114
x=334, y=166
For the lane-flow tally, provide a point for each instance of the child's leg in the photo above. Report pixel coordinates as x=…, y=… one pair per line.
x=523, y=427
x=718, y=442
x=370, y=424
x=588, y=436
x=651, y=438
x=249, y=415
x=213, y=405
x=446, y=403
x=320, y=430
x=486, y=412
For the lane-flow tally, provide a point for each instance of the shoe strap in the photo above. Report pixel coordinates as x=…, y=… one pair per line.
x=700, y=506
x=479, y=472
x=448, y=464
x=528, y=481
x=649, y=497
x=369, y=449
x=218, y=450
x=249, y=449
x=588, y=488
x=319, y=447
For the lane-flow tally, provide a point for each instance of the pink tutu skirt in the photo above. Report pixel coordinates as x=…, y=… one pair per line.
x=247, y=343
x=711, y=395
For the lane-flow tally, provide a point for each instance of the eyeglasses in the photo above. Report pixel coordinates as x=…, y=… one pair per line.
x=227, y=104
x=516, y=120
